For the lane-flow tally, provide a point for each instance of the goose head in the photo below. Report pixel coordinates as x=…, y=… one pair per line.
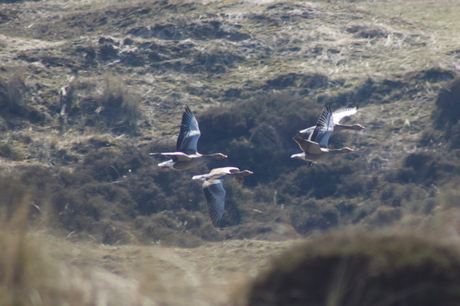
x=246, y=172
x=357, y=127
x=218, y=156
x=240, y=176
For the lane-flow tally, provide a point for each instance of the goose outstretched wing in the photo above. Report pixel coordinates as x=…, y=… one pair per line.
x=338, y=115
x=215, y=199
x=177, y=156
x=324, y=128
x=307, y=146
x=189, y=133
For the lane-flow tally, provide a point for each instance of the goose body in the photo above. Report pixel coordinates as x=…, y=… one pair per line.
x=214, y=191
x=315, y=148
x=187, y=155
x=312, y=152
x=337, y=116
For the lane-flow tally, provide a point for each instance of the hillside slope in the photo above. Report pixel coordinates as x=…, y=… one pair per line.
x=254, y=73
x=89, y=88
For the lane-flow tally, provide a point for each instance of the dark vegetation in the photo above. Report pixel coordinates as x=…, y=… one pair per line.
x=447, y=115
x=103, y=185
x=362, y=270
x=13, y=99
x=114, y=109
x=117, y=194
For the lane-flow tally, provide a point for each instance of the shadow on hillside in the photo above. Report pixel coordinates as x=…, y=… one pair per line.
x=362, y=270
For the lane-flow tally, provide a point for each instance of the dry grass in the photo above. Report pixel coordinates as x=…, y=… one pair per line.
x=362, y=269
x=39, y=267
x=51, y=271
x=30, y=276
x=45, y=270
x=350, y=40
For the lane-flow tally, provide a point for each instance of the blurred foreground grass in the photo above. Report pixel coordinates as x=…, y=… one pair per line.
x=38, y=267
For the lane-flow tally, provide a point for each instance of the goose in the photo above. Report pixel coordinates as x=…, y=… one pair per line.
x=187, y=156
x=337, y=116
x=315, y=148
x=214, y=190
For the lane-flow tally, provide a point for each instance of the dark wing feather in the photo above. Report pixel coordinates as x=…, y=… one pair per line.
x=308, y=146
x=321, y=123
x=189, y=133
x=303, y=144
x=324, y=128
x=215, y=197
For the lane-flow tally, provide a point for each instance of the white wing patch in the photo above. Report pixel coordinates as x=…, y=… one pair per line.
x=338, y=115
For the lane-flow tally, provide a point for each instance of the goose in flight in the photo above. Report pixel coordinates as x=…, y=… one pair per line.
x=337, y=116
x=214, y=190
x=186, y=155
x=315, y=148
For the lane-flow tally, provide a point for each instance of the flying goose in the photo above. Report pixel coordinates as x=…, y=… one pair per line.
x=337, y=116
x=187, y=156
x=214, y=190
x=315, y=148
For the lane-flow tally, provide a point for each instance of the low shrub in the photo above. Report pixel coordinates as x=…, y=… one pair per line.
x=12, y=92
x=111, y=106
x=446, y=115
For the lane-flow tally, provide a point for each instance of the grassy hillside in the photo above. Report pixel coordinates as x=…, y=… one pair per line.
x=254, y=73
